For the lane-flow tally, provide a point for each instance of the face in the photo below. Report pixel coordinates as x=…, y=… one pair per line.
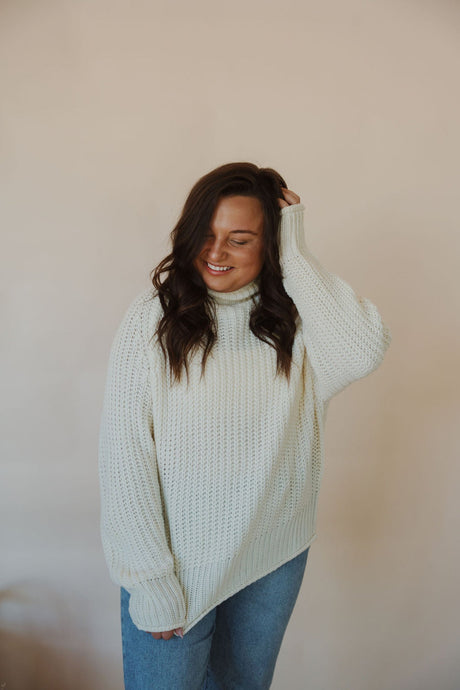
x=233, y=242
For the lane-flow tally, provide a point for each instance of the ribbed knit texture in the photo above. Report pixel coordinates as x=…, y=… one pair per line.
x=208, y=487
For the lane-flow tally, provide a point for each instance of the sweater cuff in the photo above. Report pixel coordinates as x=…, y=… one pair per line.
x=292, y=236
x=157, y=605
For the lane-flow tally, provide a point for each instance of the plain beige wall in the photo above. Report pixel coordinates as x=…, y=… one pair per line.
x=109, y=112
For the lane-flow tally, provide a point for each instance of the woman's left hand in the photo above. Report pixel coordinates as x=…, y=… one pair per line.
x=289, y=198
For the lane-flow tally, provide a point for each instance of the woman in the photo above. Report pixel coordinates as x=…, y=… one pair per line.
x=212, y=433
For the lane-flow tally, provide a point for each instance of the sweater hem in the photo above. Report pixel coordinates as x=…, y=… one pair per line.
x=256, y=577
x=261, y=557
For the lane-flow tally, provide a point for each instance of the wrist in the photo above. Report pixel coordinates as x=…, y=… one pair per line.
x=292, y=236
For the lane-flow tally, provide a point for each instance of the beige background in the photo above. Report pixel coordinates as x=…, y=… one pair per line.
x=109, y=112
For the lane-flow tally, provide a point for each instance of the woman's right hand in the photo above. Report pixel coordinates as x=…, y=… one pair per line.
x=167, y=634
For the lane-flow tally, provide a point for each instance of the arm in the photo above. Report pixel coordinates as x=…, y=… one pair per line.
x=343, y=332
x=132, y=526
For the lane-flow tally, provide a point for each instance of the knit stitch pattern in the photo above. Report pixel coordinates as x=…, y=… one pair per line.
x=207, y=487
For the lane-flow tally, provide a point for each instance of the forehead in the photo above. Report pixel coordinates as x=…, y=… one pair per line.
x=238, y=213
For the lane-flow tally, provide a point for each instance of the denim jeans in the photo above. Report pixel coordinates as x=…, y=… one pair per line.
x=235, y=646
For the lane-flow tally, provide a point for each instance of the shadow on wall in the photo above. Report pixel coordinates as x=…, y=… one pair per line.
x=39, y=645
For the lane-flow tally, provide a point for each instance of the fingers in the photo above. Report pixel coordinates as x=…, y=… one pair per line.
x=167, y=634
x=291, y=196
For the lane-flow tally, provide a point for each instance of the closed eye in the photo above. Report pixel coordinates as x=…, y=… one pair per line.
x=234, y=241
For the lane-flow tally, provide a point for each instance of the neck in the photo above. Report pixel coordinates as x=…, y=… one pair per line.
x=242, y=294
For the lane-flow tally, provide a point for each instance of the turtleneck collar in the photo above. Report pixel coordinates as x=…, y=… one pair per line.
x=235, y=296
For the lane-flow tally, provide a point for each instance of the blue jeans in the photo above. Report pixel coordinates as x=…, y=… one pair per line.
x=235, y=646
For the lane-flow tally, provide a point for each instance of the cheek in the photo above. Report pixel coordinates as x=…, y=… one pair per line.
x=256, y=256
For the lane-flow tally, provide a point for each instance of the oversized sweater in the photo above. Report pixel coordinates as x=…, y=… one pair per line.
x=207, y=487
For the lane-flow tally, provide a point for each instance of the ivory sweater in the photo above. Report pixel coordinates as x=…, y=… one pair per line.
x=207, y=488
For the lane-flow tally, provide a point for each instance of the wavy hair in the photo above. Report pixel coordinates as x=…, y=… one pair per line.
x=188, y=322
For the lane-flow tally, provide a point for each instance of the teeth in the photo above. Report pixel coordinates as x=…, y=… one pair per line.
x=218, y=268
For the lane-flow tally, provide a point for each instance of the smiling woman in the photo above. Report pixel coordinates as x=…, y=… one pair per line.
x=226, y=239
x=226, y=263
x=209, y=486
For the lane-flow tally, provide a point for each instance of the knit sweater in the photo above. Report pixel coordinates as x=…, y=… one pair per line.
x=208, y=487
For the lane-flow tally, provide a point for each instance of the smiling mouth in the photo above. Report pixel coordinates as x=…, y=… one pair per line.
x=215, y=269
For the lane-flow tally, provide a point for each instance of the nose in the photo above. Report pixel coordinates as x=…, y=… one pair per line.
x=215, y=250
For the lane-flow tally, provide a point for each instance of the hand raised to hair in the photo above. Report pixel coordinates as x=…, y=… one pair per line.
x=289, y=198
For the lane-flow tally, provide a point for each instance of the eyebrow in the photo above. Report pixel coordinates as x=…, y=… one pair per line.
x=250, y=232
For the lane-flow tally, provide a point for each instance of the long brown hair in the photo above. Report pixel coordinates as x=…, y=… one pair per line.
x=188, y=320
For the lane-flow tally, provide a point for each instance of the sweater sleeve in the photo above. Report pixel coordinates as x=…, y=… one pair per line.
x=132, y=525
x=344, y=334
